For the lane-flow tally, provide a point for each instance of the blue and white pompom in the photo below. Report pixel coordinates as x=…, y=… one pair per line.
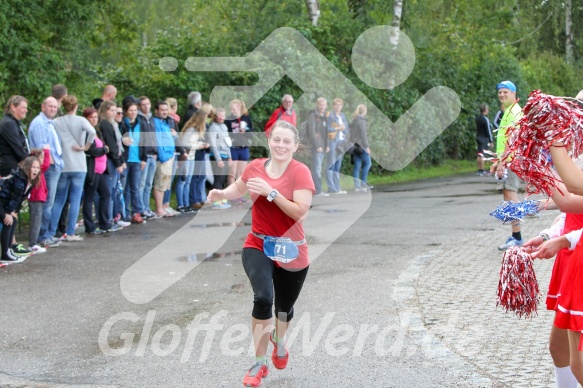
x=515, y=211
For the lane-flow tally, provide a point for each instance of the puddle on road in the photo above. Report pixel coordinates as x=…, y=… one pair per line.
x=219, y=224
x=201, y=257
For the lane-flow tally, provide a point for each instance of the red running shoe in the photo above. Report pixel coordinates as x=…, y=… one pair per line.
x=278, y=362
x=255, y=375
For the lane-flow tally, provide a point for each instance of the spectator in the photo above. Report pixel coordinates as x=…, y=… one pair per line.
x=58, y=92
x=337, y=133
x=360, y=149
x=134, y=143
x=172, y=108
x=483, y=137
x=318, y=142
x=220, y=146
x=95, y=181
x=197, y=192
x=179, y=154
x=192, y=132
x=111, y=137
x=148, y=129
x=38, y=195
x=109, y=94
x=194, y=104
x=14, y=146
x=166, y=149
x=13, y=192
x=240, y=126
x=76, y=136
x=285, y=112
x=512, y=113
x=41, y=134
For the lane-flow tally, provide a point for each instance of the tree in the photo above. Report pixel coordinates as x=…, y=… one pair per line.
x=313, y=11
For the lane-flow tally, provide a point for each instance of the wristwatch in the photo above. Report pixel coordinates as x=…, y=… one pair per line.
x=545, y=236
x=271, y=196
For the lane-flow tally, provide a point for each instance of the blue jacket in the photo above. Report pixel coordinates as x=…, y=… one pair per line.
x=165, y=141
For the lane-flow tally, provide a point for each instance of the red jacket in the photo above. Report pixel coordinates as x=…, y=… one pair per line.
x=280, y=114
x=40, y=192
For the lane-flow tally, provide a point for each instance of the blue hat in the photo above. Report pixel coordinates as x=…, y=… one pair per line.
x=506, y=85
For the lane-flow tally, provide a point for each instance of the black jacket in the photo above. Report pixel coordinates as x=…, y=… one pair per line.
x=190, y=112
x=358, y=132
x=148, y=132
x=317, y=130
x=13, y=145
x=92, y=153
x=13, y=192
x=108, y=136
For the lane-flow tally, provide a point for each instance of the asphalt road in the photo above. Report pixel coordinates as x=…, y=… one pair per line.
x=167, y=304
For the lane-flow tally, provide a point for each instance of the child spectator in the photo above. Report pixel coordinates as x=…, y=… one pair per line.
x=15, y=189
x=37, y=198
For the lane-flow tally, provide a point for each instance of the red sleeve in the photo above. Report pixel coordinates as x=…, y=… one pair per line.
x=248, y=171
x=46, y=161
x=271, y=121
x=303, y=178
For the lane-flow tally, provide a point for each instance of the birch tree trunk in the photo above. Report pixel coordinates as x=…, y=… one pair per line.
x=313, y=11
x=569, y=31
x=394, y=38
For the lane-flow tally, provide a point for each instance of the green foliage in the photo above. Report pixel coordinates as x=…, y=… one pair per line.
x=468, y=46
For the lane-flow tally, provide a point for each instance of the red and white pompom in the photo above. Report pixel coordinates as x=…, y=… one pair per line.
x=546, y=119
x=518, y=288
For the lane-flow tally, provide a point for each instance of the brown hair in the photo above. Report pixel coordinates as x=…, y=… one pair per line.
x=14, y=101
x=88, y=112
x=69, y=102
x=197, y=121
x=102, y=113
x=26, y=166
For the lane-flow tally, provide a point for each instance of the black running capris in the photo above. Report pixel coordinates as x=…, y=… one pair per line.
x=270, y=282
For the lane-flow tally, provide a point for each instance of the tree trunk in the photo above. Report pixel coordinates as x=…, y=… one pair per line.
x=395, y=30
x=313, y=11
x=569, y=31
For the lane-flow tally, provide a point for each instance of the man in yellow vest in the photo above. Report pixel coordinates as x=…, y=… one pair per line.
x=509, y=185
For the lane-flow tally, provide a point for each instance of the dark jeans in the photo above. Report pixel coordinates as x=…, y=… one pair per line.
x=36, y=217
x=132, y=189
x=220, y=173
x=6, y=236
x=101, y=186
x=268, y=280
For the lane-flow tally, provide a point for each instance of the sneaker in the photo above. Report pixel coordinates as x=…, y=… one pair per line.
x=280, y=362
x=50, y=243
x=37, y=249
x=181, y=209
x=361, y=190
x=11, y=258
x=197, y=205
x=220, y=206
x=255, y=375
x=169, y=210
x=338, y=192
x=20, y=250
x=63, y=237
x=511, y=242
x=322, y=194
x=189, y=210
x=73, y=238
x=96, y=232
x=137, y=219
x=123, y=224
x=114, y=228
